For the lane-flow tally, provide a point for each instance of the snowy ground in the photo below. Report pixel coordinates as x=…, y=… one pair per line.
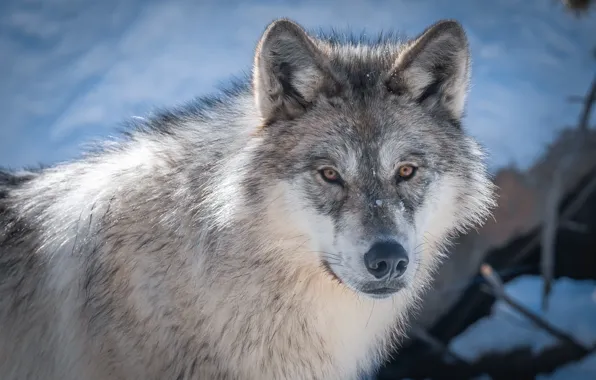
x=572, y=309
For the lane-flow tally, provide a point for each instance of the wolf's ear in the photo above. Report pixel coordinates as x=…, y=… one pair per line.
x=435, y=68
x=289, y=72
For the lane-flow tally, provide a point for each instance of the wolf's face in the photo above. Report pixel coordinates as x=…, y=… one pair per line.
x=376, y=169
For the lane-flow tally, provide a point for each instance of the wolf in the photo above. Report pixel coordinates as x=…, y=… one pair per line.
x=283, y=228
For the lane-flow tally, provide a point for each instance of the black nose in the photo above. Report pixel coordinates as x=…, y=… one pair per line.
x=387, y=258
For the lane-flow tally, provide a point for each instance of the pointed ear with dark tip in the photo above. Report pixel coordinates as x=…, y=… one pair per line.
x=289, y=72
x=435, y=68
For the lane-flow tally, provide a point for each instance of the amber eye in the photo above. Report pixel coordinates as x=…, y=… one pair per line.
x=406, y=171
x=330, y=175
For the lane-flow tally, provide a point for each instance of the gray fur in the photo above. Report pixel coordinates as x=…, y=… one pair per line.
x=206, y=245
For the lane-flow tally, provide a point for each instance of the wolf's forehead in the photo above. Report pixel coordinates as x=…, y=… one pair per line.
x=377, y=154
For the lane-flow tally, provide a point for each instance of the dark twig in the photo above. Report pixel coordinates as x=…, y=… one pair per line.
x=570, y=225
x=583, y=124
x=435, y=344
x=551, y=206
x=579, y=201
x=589, y=101
x=548, y=236
x=568, y=213
x=499, y=291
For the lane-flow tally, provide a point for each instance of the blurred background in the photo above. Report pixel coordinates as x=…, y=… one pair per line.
x=517, y=298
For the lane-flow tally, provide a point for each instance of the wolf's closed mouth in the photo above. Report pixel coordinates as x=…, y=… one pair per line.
x=330, y=271
x=382, y=291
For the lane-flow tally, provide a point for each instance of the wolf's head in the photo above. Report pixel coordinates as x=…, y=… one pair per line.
x=366, y=144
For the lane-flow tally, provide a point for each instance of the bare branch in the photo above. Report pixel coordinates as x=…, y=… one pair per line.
x=589, y=101
x=499, y=291
x=575, y=226
x=435, y=344
x=553, y=197
x=549, y=235
x=569, y=212
x=579, y=201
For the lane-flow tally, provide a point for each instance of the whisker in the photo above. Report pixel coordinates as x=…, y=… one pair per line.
x=371, y=312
